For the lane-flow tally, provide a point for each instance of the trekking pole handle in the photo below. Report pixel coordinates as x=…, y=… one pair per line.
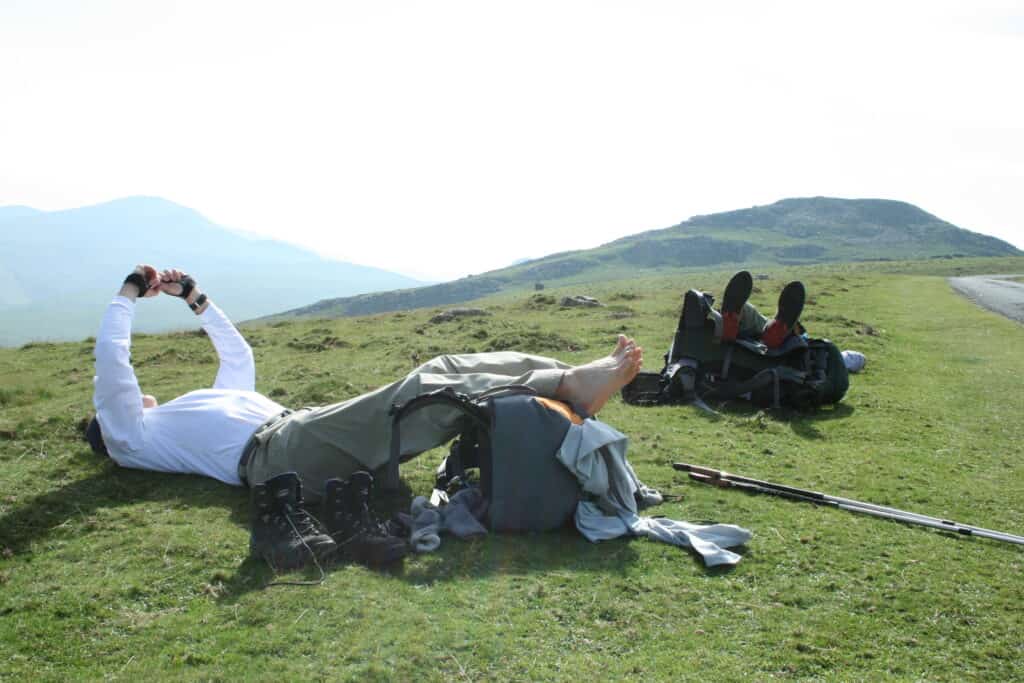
x=697, y=469
x=737, y=479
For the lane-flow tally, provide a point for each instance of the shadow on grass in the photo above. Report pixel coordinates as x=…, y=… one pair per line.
x=518, y=554
x=802, y=423
x=36, y=518
x=461, y=560
x=554, y=553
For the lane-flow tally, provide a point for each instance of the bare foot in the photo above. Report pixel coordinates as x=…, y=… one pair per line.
x=590, y=386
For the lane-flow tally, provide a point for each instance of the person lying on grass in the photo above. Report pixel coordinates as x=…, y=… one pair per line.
x=740, y=318
x=242, y=438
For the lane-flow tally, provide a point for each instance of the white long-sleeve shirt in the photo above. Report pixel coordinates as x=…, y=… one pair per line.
x=202, y=432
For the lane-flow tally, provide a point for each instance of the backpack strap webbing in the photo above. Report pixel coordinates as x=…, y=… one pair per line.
x=729, y=390
x=446, y=396
x=727, y=360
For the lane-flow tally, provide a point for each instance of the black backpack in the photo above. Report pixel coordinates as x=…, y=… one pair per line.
x=510, y=436
x=802, y=374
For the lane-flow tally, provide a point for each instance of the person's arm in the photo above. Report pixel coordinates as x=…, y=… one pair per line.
x=237, y=367
x=116, y=395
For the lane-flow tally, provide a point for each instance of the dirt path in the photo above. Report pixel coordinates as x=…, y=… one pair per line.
x=995, y=292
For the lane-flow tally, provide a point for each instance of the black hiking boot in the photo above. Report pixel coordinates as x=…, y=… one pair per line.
x=736, y=294
x=791, y=305
x=283, y=532
x=361, y=536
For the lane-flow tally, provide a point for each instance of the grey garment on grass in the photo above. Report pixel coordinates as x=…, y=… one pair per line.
x=462, y=517
x=709, y=541
x=337, y=440
x=596, y=454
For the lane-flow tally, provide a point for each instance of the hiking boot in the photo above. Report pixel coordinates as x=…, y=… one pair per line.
x=791, y=305
x=736, y=294
x=360, y=535
x=283, y=532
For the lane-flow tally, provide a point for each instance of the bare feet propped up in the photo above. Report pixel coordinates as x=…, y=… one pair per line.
x=590, y=386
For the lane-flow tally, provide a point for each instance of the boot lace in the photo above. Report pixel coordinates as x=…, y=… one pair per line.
x=304, y=525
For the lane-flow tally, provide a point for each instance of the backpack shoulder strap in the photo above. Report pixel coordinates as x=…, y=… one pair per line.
x=447, y=396
x=505, y=390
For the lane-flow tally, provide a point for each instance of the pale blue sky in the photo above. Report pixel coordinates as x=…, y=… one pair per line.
x=443, y=138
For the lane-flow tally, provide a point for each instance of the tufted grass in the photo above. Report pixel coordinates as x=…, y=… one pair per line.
x=116, y=574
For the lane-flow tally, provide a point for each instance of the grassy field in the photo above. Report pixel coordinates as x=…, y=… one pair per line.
x=117, y=574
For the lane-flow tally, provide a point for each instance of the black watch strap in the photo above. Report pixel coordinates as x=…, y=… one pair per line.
x=138, y=281
x=198, y=303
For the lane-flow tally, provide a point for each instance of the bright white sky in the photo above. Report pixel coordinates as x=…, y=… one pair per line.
x=440, y=138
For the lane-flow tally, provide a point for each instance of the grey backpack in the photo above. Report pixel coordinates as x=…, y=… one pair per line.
x=510, y=436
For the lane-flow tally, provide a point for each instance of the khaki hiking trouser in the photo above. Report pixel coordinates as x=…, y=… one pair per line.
x=337, y=440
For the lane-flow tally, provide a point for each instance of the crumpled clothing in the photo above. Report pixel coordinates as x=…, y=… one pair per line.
x=462, y=517
x=709, y=541
x=596, y=454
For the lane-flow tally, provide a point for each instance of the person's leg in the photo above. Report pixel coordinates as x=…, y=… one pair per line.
x=751, y=322
x=339, y=439
x=336, y=440
x=483, y=371
x=735, y=298
x=791, y=305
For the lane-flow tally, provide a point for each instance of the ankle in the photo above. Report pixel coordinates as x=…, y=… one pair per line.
x=774, y=334
x=564, y=390
x=730, y=326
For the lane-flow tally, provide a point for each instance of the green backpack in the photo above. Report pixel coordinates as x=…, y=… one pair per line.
x=803, y=373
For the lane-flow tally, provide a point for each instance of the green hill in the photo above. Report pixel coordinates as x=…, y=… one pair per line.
x=788, y=232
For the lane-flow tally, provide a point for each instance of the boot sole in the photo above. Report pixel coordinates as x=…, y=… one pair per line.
x=791, y=303
x=737, y=292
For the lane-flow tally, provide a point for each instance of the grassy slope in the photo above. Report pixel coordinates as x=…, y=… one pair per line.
x=109, y=572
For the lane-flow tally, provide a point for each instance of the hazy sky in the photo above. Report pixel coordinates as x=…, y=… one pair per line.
x=441, y=138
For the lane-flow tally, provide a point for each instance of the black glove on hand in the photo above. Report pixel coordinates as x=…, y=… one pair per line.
x=187, y=285
x=139, y=281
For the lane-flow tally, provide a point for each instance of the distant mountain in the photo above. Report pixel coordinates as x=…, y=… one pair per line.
x=59, y=269
x=788, y=232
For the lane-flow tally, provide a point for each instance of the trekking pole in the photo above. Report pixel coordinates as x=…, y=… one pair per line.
x=726, y=480
x=909, y=518
x=953, y=526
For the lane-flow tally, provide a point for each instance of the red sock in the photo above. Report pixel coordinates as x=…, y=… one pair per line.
x=730, y=326
x=774, y=334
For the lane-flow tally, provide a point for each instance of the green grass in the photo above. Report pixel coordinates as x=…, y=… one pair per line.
x=111, y=573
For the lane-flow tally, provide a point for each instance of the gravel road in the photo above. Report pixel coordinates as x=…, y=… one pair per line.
x=995, y=292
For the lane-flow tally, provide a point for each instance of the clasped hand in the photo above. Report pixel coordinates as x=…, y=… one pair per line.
x=167, y=281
